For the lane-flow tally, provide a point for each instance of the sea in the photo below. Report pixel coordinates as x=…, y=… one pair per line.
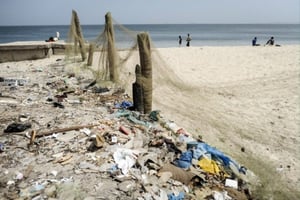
x=165, y=35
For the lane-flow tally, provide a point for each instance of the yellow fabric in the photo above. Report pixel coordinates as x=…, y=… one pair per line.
x=209, y=165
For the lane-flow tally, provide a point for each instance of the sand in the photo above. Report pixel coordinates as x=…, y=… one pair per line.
x=241, y=97
x=242, y=100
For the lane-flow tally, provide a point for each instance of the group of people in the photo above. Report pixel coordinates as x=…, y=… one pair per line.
x=270, y=42
x=188, y=40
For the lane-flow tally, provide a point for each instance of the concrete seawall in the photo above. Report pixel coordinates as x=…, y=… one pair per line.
x=19, y=51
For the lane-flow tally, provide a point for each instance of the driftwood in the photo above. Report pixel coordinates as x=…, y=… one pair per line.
x=35, y=134
x=59, y=130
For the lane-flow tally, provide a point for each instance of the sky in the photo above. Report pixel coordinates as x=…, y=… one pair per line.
x=59, y=12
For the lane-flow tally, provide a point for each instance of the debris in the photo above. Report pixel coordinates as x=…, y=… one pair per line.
x=185, y=160
x=231, y=183
x=65, y=159
x=172, y=196
x=59, y=130
x=32, y=191
x=57, y=104
x=13, y=81
x=102, y=148
x=124, y=130
x=209, y=166
x=91, y=84
x=1, y=147
x=124, y=104
x=125, y=159
x=178, y=174
x=221, y=195
x=17, y=127
x=99, y=90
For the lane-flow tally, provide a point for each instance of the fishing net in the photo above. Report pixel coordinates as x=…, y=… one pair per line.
x=167, y=88
x=205, y=110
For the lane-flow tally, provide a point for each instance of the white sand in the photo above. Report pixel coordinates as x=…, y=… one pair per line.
x=233, y=97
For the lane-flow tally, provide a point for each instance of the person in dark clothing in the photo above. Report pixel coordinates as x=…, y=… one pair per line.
x=188, y=40
x=271, y=41
x=254, y=41
x=180, y=40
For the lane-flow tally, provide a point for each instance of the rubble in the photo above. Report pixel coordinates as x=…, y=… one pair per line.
x=85, y=142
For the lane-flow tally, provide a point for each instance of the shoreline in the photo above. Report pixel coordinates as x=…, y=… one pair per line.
x=35, y=42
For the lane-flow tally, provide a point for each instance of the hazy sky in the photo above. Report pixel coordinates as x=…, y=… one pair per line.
x=57, y=12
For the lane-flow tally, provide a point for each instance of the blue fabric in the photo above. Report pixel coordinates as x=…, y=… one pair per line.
x=215, y=153
x=204, y=148
x=124, y=104
x=185, y=160
x=197, y=153
x=172, y=196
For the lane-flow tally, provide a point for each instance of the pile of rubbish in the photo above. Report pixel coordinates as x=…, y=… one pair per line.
x=64, y=138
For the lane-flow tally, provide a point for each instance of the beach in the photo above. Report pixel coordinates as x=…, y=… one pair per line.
x=243, y=100
x=240, y=97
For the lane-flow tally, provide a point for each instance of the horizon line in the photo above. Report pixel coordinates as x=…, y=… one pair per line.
x=87, y=24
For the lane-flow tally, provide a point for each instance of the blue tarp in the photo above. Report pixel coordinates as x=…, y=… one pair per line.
x=203, y=149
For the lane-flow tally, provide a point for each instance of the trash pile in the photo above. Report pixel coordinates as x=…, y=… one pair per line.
x=64, y=137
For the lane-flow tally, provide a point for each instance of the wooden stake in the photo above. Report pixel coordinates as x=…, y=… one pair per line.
x=137, y=90
x=146, y=69
x=80, y=35
x=111, y=54
x=91, y=55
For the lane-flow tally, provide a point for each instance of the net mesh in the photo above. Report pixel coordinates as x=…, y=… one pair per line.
x=208, y=111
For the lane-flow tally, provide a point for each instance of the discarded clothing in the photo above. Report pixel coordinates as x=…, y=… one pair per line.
x=185, y=160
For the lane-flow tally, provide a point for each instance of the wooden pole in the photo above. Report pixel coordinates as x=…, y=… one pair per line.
x=91, y=55
x=137, y=90
x=111, y=51
x=146, y=70
x=79, y=35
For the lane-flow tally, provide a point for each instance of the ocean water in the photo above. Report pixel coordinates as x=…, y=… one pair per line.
x=166, y=35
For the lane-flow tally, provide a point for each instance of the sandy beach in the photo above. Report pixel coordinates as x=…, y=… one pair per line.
x=240, y=97
x=243, y=100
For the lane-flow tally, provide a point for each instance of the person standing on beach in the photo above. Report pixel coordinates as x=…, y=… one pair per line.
x=180, y=40
x=188, y=39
